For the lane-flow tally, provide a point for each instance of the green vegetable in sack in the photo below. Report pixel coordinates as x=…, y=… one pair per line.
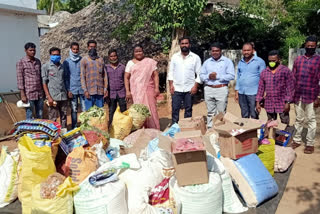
x=141, y=109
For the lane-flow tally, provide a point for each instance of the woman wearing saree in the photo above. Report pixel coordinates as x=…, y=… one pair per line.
x=142, y=84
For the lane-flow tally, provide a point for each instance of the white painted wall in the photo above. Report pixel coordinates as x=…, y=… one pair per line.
x=21, y=3
x=16, y=30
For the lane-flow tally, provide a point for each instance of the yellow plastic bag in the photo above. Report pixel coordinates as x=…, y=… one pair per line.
x=121, y=125
x=61, y=204
x=266, y=153
x=36, y=166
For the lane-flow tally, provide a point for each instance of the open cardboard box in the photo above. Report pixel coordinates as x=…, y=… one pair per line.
x=191, y=166
x=237, y=136
x=272, y=131
x=192, y=124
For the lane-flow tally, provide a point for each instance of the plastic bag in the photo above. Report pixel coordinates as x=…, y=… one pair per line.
x=266, y=153
x=80, y=163
x=95, y=136
x=162, y=197
x=8, y=176
x=62, y=203
x=133, y=137
x=72, y=139
x=284, y=158
x=148, y=176
x=121, y=124
x=37, y=165
x=204, y=198
x=105, y=199
x=49, y=187
x=139, y=113
x=252, y=179
x=101, y=153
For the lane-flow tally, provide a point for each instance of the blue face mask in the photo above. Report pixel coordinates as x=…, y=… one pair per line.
x=55, y=59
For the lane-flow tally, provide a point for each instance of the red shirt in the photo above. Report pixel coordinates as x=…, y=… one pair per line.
x=307, y=75
x=29, y=78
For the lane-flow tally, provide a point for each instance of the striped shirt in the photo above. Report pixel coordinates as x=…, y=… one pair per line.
x=29, y=78
x=93, y=77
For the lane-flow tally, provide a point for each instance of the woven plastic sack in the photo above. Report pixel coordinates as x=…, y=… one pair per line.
x=100, y=123
x=8, y=176
x=266, y=153
x=140, y=181
x=138, y=119
x=203, y=198
x=231, y=202
x=61, y=204
x=37, y=165
x=105, y=199
x=121, y=124
x=284, y=158
x=80, y=163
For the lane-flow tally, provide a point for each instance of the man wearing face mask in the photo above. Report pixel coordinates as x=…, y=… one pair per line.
x=93, y=77
x=53, y=78
x=184, y=79
x=306, y=70
x=73, y=83
x=117, y=90
x=216, y=73
x=277, y=82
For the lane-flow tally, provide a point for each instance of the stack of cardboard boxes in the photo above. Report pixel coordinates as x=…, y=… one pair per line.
x=238, y=137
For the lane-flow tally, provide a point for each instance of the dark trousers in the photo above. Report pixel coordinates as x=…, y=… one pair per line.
x=248, y=106
x=113, y=106
x=177, y=99
x=284, y=117
x=59, y=110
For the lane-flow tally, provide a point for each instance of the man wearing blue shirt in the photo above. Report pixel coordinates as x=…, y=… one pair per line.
x=73, y=83
x=216, y=72
x=248, y=76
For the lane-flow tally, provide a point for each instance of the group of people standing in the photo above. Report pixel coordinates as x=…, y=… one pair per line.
x=273, y=87
x=89, y=80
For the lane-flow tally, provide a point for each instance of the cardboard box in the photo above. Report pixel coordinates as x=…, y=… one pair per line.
x=192, y=124
x=237, y=136
x=191, y=166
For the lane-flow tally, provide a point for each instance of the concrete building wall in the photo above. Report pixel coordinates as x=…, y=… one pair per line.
x=32, y=4
x=295, y=52
x=16, y=30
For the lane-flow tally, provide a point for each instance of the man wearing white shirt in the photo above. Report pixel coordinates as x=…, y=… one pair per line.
x=216, y=72
x=183, y=79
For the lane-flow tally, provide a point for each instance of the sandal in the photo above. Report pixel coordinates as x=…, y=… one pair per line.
x=309, y=150
x=295, y=145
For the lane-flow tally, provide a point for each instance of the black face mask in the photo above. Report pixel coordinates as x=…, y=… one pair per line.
x=185, y=49
x=93, y=54
x=310, y=51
